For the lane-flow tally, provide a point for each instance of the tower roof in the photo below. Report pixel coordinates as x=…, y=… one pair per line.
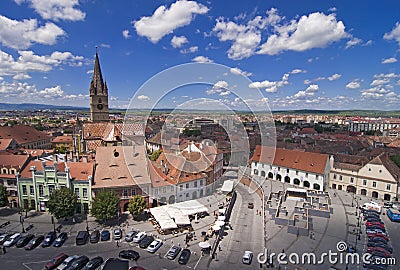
x=97, y=84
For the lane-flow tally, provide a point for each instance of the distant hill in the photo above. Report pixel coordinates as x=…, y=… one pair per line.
x=36, y=107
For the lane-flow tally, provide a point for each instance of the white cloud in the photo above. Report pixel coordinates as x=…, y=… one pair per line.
x=192, y=49
x=22, y=34
x=312, y=88
x=353, y=42
x=219, y=88
x=238, y=71
x=178, y=42
x=334, y=77
x=389, y=60
x=202, y=59
x=21, y=76
x=143, y=98
x=380, y=82
x=220, y=85
x=56, y=9
x=126, y=34
x=271, y=86
x=316, y=30
x=297, y=70
x=105, y=45
x=165, y=20
x=353, y=85
x=225, y=93
x=30, y=62
x=394, y=34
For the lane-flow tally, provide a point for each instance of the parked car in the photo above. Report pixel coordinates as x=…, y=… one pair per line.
x=34, y=242
x=387, y=204
x=374, y=231
x=137, y=268
x=154, y=246
x=381, y=245
x=372, y=223
x=95, y=236
x=5, y=237
x=129, y=236
x=384, y=251
x=247, y=257
x=67, y=262
x=105, y=235
x=146, y=241
x=378, y=235
x=138, y=237
x=184, y=257
x=82, y=238
x=117, y=234
x=12, y=240
x=24, y=240
x=56, y=261
x=49, y=239
x=62, y=237
x=94, y=263
x=378, y=240
x=78, y=263
x=375, y=227
x=173, y=252
x=129, y=254
x=381, y=254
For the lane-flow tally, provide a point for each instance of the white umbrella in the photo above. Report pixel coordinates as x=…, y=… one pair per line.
x=204, y=245
x=222, y=211
x=221, y=218
x=220, y=223
x=216, y=227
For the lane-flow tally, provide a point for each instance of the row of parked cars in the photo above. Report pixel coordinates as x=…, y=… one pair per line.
x=378, y=243
x=75, y=262
x=31, y=241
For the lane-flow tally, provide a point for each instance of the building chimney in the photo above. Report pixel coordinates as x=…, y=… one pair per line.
x=85, y=158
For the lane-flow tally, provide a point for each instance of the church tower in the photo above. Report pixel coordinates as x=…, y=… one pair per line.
x=98, y=95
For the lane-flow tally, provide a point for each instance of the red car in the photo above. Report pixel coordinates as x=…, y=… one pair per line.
x=375, y=223
x=379, y=249
x=381, y=235
x=56, y=261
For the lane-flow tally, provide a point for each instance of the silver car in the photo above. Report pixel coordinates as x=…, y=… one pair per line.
x=13, y=239
x=154, y=246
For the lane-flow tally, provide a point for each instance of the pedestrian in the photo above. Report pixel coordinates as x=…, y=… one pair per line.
x=118, y=243
x=219, y=248
x=4, y=250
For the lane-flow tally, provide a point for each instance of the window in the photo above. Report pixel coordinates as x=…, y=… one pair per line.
x=84, y=193
x=351, y=179
x=340, y=177
x=334, y=176
x=369, y=169
x=172, y=188
x=125, y=193
x=51, y=189
x=279, y=168
x=195, y=183
x=255, y=171
x=155, y=191
x=287, y=171
x=187, y=185
x=316, y=177
x=307, y=174
x=255, y=163
x=133, y=192
x=77, y=192
x=380, y=171
x=297, y=172
x=388, y=186
x=164, y=189
x=181, y=187
x=201, y=182
x=374, y=184
x=364, y=182
x=24, y=190
x=187, y=195
x=31, y=190
x=41, y=191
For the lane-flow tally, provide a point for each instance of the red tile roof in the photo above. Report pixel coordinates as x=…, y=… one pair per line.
x=22, y=134
x=294, y=159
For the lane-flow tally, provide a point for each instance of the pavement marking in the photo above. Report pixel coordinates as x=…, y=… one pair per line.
x=198, y=261
x=26, y=264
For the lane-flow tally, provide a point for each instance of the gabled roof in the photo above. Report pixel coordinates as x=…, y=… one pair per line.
x=294, y=159
x=22, y=134
x=5, y=144
x=13, y=161
x=384, y=159
x=103, y=130
x=80, y=170
x=62, y=139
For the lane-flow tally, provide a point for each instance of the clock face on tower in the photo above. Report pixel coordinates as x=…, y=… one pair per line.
x=100, y=106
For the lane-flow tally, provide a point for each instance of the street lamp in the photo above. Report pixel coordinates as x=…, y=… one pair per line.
x=87, y=223
x=21, y=219
x=52, y=222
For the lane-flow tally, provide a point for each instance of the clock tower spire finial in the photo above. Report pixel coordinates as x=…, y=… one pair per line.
x=98, y=94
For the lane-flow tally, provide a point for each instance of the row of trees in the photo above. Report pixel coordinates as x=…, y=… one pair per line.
x=62, y=204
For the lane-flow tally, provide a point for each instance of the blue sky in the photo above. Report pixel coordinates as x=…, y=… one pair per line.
x=298, y=54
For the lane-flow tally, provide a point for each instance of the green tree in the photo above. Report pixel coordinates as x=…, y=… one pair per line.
x=396, y=159
x=62, y=203
x=105, y=205
x=154, y=156
x=3, y=196
x=136, y=205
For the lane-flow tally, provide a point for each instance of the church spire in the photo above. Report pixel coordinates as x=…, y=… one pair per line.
x=97, y=84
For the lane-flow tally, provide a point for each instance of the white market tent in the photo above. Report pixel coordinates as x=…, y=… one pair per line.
x=227, y=186
x=163, y=219
x=190, y=207
x=177, y=215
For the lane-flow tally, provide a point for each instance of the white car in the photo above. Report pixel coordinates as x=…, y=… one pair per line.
x=139, y=237
x=247, y=257
x=154, y=246
x=13, y=239
x=67, y=262
x=117, y=234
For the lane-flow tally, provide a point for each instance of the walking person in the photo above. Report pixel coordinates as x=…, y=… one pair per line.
x=4, y=250
x=117, y=243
